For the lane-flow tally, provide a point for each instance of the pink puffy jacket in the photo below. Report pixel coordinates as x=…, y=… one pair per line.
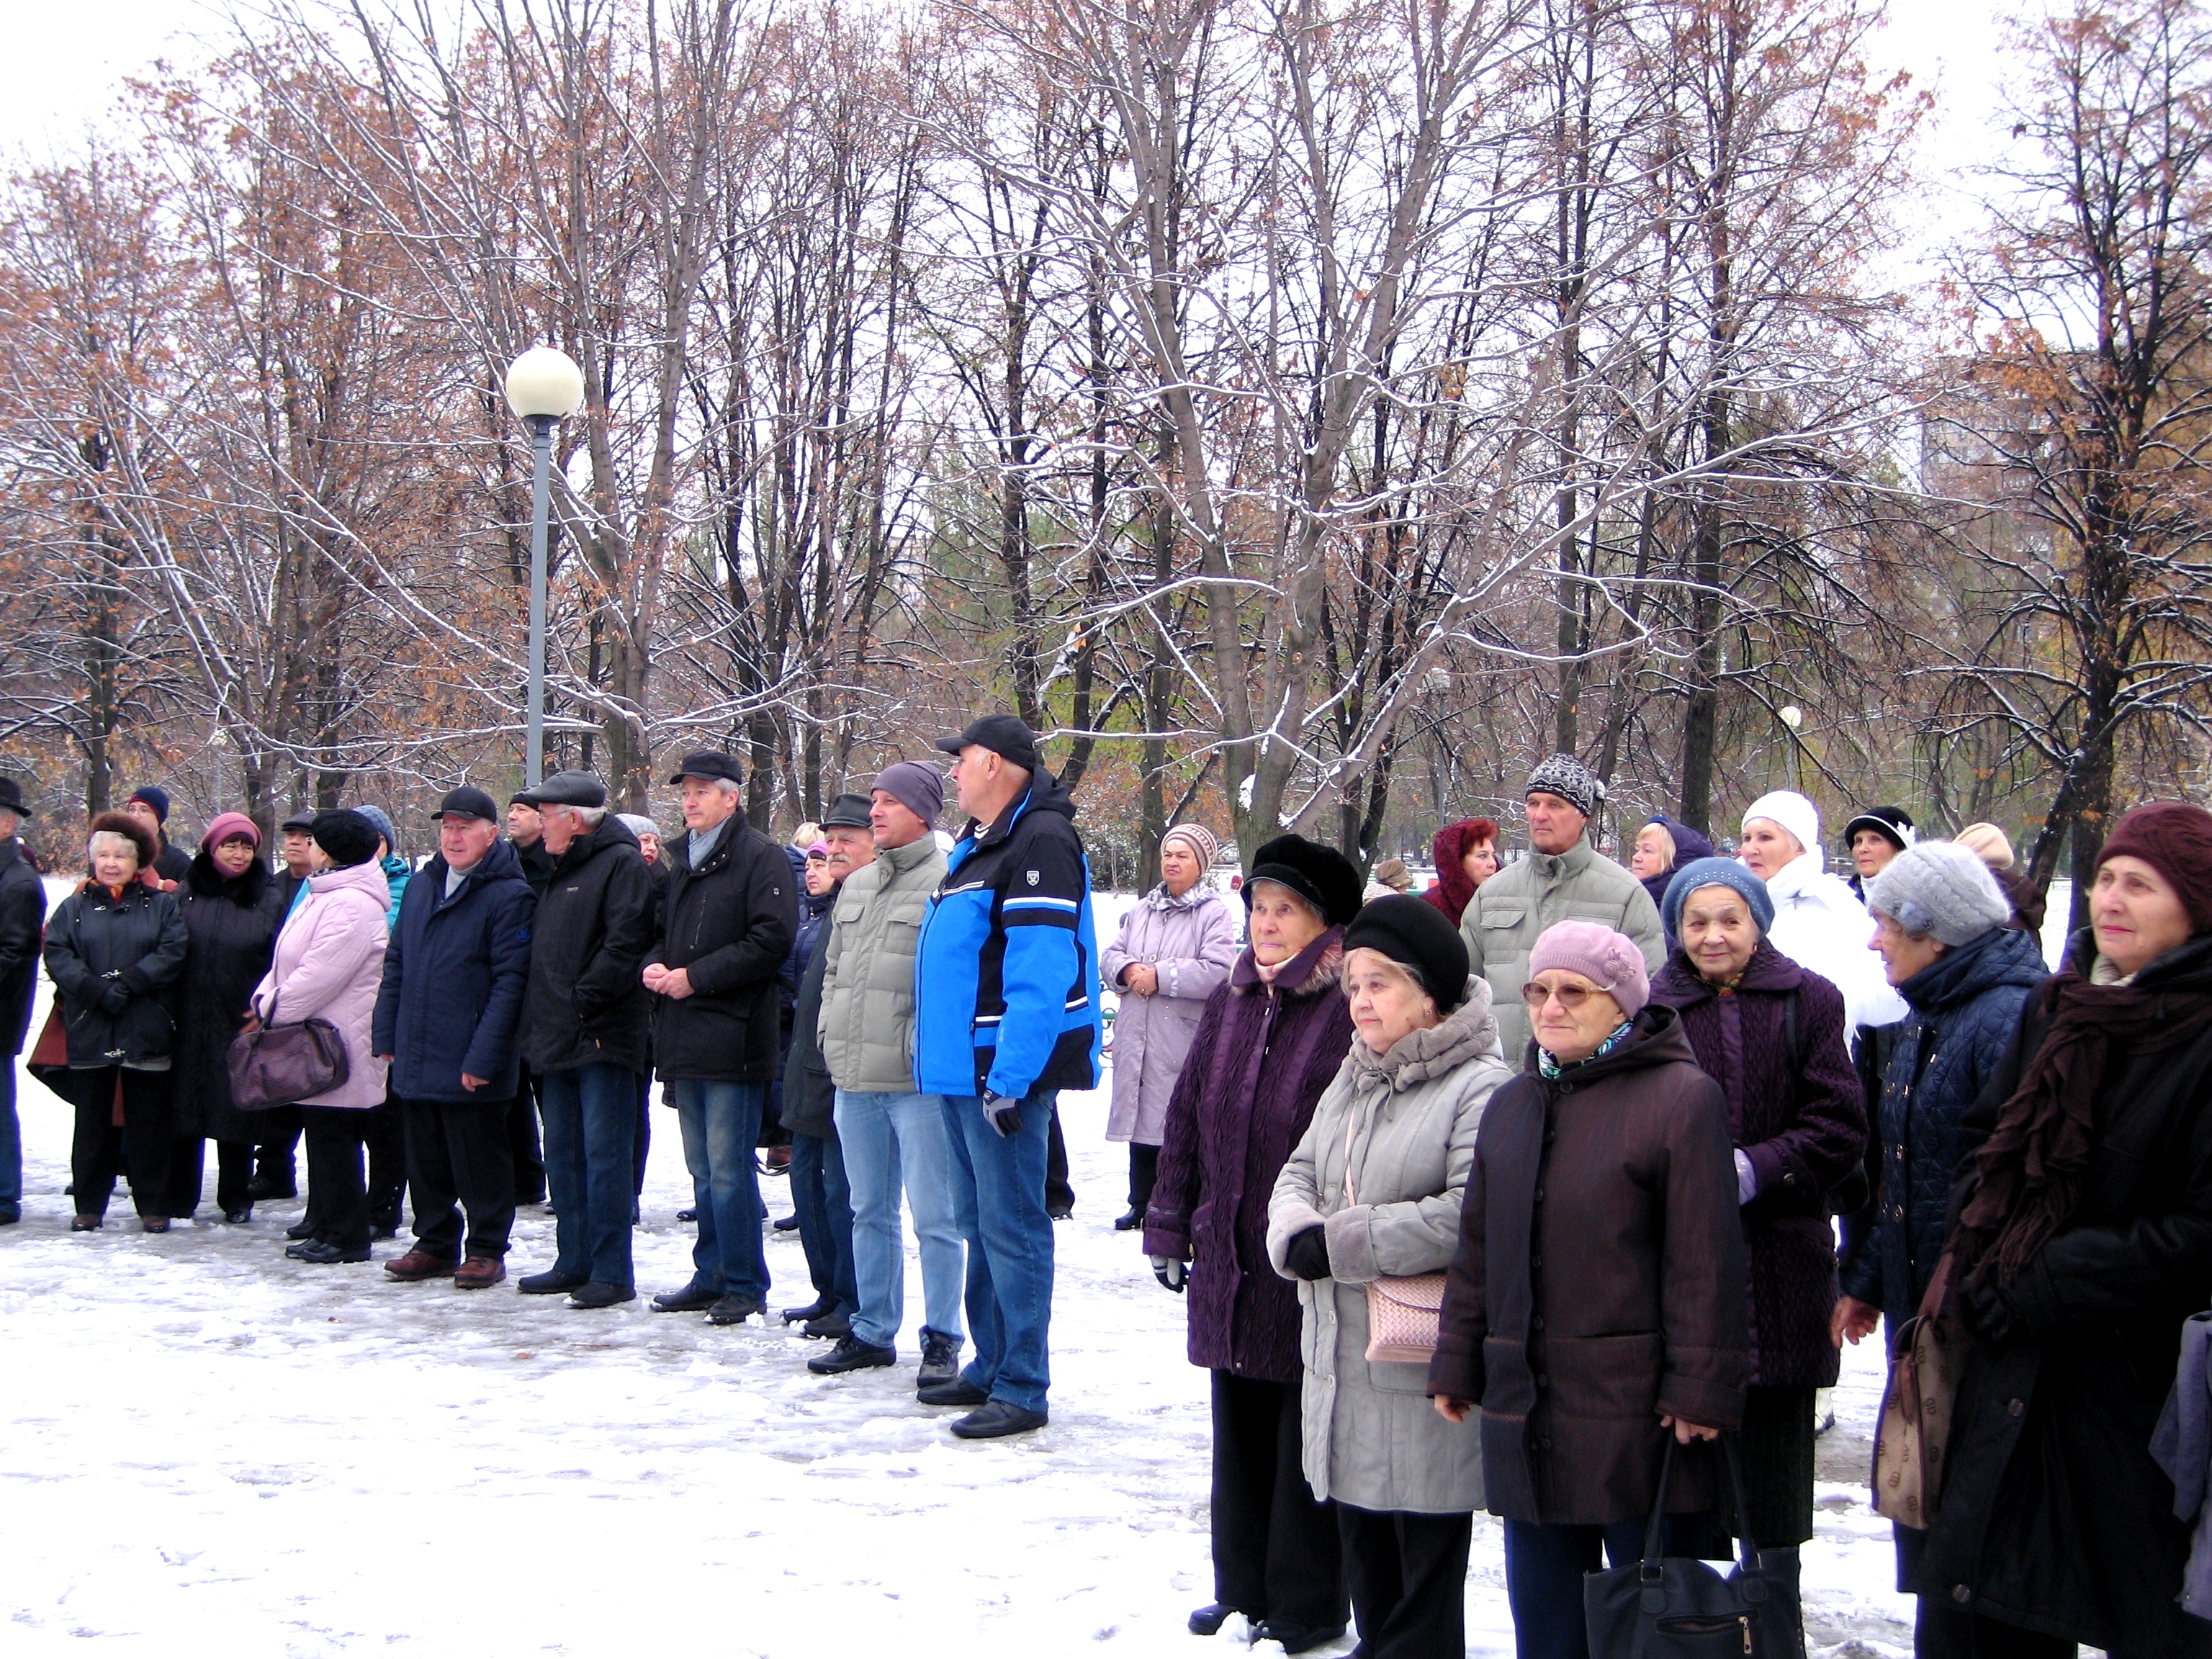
x=330, y=962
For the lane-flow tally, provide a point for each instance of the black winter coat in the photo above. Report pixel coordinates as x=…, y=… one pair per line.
x=2053, y=1516
x=1965, y=1009
x=172, y=863
x=538, y=865
x=586, y=1005
x=233, y=926
x=809, y=1093
x=22, y=916
x=115, y=963
x=455, y=972
x=728, y=924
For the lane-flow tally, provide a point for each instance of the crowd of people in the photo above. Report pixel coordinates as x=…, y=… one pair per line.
x=1535, y=1191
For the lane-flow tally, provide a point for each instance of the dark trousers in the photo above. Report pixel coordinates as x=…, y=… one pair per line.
x=522, y=1143
x=335, y=1143
x=1544, y=1568
x=280, y=1140
x=644, y=1131
x=1059, y=1195
x=1144, y=1174
x=11, y=1143
x=458, y=1158
x=1408, y=1574
x=385, y=1135
x=1776, y=1445
x=1276, y=1554
x=144, y=1138
x=233, y=1167
x=1941, y=1632
x=591, y=1121
x=822, y=1200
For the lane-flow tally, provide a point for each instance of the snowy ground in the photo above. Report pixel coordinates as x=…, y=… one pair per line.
x=205, y=1447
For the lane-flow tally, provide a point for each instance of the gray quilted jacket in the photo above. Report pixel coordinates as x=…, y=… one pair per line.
x=868, y=988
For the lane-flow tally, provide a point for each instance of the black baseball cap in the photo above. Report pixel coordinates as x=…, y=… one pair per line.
x=709, y=763
x=566, y=789
x=1002, y=734
x=467, y=803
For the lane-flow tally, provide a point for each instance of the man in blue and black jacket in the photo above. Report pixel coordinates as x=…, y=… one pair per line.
x=1006, y=1015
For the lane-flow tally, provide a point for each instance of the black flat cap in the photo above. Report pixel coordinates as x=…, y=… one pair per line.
x=302, y=821
x=847, y=811
x=467, y=803
x=566, y=789
x=1002, y=734
x=1320, y=875
x=709, y=763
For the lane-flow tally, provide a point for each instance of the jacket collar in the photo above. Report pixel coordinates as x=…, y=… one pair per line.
x=366, y=879
x=1551, y=866
x=725, y=843
x=2003, y=956
x=1468, y=1032
x=912, y=855
x=1317, y=967
x=500, y=859
x=1191, y=896
x=1658, y=1038
x=1797, y=878
x=612, y=832
x=1768, y=971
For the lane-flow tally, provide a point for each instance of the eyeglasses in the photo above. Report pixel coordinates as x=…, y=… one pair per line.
x=1569, y=997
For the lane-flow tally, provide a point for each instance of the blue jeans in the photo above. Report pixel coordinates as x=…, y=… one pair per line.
x=890, y=1139
x=11, y=1143
x=1544, y=1568
x=998, y=1195
x=824, y=1203
x=720, y=1122
x=590, y=1125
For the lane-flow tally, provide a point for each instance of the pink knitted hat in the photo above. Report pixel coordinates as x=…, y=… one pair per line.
x=1607, y=959
x=228, y=825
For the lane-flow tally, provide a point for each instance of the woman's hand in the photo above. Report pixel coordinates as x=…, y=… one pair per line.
x=1853, y=1321
x=1686, y=1430
x=252, y=1024
x=1307, y=1254
x=1141, y=977
x=1451, y=1410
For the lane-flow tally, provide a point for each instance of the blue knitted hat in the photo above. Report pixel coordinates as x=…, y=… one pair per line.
x=1715, y=873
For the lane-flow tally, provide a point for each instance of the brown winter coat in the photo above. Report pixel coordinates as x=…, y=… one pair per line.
x=1599, y=1282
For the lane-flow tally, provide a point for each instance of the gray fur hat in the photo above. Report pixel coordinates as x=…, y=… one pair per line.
x=1941, y=888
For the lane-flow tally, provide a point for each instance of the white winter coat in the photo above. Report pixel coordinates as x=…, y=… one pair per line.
x=1819, y=925
x=1372, y=1439
x=1192, y=942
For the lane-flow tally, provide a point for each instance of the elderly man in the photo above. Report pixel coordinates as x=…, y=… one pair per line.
x=893, y=1136
x=447, y=1017
x=584, y=1034
x=150, y=805
x=1005, y=1016
x=526, y=834
x=728, y=911
x=1562, y=879
x=23, y=919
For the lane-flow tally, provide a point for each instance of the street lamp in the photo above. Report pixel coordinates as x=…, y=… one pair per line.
x=544, y=387
x=1794, y=717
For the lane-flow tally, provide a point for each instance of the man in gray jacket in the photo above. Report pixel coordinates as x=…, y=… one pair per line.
x=1562, y=879
x=889, y=1130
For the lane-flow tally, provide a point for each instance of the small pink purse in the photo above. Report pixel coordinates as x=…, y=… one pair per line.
x=1402, y=1311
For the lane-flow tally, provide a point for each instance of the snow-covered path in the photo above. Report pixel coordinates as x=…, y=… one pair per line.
x=205, y=1447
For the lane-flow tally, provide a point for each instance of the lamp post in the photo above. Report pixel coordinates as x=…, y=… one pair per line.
x=1794, y=717
x=544, y=387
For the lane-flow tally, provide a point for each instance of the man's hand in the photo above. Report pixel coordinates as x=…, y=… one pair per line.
x=654, y=973
x=1141, y=977
x=473, y=1083
x=386, y=1058
x=1451, y=1410
x=676, y=982
x=1852, y=1322
x=1002, y=1114
x=1686, y=1430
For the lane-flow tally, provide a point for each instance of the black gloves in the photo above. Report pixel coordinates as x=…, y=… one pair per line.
x=1307, y=1254
x=1002, y=1114
x=114, y=996
x=1171, y=1273
x=1992, y=1315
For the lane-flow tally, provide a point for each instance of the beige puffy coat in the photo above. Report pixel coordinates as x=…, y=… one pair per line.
x=867, y=1028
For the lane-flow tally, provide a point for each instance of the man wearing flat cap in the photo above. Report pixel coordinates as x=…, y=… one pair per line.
x=22, y=919
x=1005, y=1016
x=448, y=1016
x=1562, y=879
x=584, y=1034
x=728, y=912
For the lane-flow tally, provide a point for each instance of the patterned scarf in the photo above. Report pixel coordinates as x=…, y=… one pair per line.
x=1547, y=1063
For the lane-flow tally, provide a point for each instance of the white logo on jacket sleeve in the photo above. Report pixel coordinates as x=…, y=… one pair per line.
x=1033, y=878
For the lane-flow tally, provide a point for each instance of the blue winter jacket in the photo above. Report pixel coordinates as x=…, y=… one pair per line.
x=1006, y=969
x=454, y=975
x=1966, y=1006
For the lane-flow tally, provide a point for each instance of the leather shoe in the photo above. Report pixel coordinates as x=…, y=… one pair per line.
x=292, y=1251
x=552, y=1282
x=479, y=1273
x=687, y=1215
x=87, y=1223
x=735, y=1310
x=851, y=1354
x=417, y=1264
x=692, y=1298
x=830, y=1325
x=324, y=1256
x=940, y=1359
x=1129, y=1220
x=1209, y=1619
x=598, y=1293
x=302, y=1228
x=821, y=1307
x=1295, y=1638
x=995, y=1418
x=262, y=1187
x=239, y=1217
x=958, y=1392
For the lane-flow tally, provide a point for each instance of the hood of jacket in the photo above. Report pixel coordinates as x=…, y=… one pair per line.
x=1689, y=847
x=1657, y=1039
x=2003, y=956
x=1805, y=881
x=1468, y=1032
x=1313, y=970
x=365, y=879
x=204, y=880
x=611, y=831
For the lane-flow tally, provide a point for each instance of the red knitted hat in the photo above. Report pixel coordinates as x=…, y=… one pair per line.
x=2175, y=839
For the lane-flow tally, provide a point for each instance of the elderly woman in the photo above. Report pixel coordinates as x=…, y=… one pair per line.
x=1663, y=846
x=1596, y=1302
x=232, y=908
x=1372, y=1194
x=1818, y=922
x=329, y=964
x=1174, y=950
x=2083, y=1241
x=1466, y=855
x=114, y=950
x=1771, y=1034
x=1268, y=1043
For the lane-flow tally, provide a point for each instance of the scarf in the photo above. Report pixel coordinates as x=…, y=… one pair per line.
x=2032, y=1164
x=1547, y=1063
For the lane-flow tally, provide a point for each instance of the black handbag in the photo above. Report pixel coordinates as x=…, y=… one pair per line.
x=1673, y=1609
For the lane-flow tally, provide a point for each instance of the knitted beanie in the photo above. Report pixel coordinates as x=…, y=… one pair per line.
x=1199, y=839
x=1413, y=933
x=1715, y=873
x=228, y=825
x=1988, y=843
x=348, y=836
x=2175, y=839
x=1569, y=779
x=1608, y=960
x=1940, y=888
x=382, y=824
x=919, y=788
x=156, y=797
x=1792, y=811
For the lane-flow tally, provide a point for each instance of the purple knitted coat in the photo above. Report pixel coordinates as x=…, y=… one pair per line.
x=1804, y=1135
x=1259, y=1062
